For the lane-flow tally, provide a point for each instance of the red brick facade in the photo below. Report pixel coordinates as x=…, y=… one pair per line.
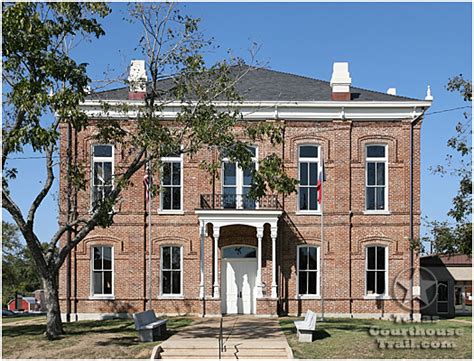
x=347, y=228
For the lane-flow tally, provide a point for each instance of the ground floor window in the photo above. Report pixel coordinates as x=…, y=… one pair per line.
x=102, y=271
x=376, y=270
x=171, y=270
x=308, y=270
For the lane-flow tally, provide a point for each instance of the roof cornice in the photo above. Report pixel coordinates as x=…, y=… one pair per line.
x=262, y=110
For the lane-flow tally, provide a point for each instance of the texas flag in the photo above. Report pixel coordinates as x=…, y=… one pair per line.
x=321, y=179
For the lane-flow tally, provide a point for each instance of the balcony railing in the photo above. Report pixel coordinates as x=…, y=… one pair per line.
x=238, y=201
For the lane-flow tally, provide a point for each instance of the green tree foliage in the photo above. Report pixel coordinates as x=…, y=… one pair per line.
x=19, y=274
x=43, y=78
x=456, y=236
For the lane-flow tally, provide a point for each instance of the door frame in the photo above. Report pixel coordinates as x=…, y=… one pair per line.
x=224, y=277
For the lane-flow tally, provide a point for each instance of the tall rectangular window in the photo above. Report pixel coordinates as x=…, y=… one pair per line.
x=308, y=270
x=171, y=183
x=102, y=172
x=375, y=270
x=102, y=271
x=376, y=178
x=308, y=162
x=171, y=270
x=237, y=182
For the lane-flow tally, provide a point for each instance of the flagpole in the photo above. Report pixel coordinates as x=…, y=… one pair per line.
x=322, y=235
x=149, y=235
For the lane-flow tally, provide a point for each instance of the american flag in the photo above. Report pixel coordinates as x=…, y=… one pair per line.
x=321, y=179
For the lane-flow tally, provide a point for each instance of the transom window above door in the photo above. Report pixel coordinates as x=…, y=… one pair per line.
x=236, y=183
x=239, y=252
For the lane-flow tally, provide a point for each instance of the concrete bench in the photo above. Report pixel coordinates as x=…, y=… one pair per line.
x=306, y=329
x=148, y=326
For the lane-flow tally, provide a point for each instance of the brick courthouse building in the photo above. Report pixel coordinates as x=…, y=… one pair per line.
x=214, y=251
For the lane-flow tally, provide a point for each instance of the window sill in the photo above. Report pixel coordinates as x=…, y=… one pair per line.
x=171, y=213
x=308, y=213
x=171, y=297
x=377, y=297
x=376, y=213
x=308, y=297
x=102, y=298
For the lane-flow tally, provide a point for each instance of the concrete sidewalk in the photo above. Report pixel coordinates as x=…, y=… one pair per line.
x=243, y=337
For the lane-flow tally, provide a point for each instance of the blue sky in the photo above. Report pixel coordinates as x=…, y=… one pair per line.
x=401, y=45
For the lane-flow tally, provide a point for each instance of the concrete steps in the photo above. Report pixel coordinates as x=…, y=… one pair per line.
x=229, y=353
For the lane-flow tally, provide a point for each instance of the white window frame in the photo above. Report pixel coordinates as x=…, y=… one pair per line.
x=239, y=177
x=181, y=269
x=376, y=295
x=317, y=160
x=181, y=207
x=376, y=160
x=95, y=159
x=437, y=297
x=317, y=295
x=91, y=277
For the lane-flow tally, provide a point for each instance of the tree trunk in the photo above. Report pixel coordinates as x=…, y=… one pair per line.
x=54, y=326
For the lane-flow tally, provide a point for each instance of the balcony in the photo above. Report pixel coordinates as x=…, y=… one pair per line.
x=239, y=201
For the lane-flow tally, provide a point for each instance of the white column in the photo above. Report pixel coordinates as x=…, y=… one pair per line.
x=216, y=263
x=274, y=232
x=259, y=262
x=202, y=232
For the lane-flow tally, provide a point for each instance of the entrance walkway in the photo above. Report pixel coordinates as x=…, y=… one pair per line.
x=243, y=337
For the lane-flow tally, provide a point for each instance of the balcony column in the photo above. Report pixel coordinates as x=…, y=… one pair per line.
x=259, y=262
x=202, y=229
x=274, y=232
x=216, y=262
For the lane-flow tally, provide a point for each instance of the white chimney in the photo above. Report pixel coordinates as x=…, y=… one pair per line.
x=137, y=80
x=341, y=82
x=428, y=94
x=392, y=91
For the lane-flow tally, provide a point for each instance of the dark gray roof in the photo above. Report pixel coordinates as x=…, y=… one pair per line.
x=261, y=84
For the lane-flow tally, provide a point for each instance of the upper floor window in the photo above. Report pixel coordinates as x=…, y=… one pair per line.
x=376, y=178
x=171, y=270
x=236, y=183
x=102, y=171
x=308, y=270
x=376, y=270
x=102, y=271
x=172, y=183
x=308, y=163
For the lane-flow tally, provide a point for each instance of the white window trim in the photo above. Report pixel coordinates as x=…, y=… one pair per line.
x=384, y=211
x=239, y=176
x=447, y=301
x=179, y=211
x=93, y=296
x=384, y=295
x=317, y=295
x=100, y=159
x=309, y=160
x=171, y=295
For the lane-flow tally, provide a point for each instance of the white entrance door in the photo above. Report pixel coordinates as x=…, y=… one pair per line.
x=238, y=291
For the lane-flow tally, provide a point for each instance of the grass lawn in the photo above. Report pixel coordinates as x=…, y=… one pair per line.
x=15, y=319
x=83, y=339
x=350, y=338
x=464, y=318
